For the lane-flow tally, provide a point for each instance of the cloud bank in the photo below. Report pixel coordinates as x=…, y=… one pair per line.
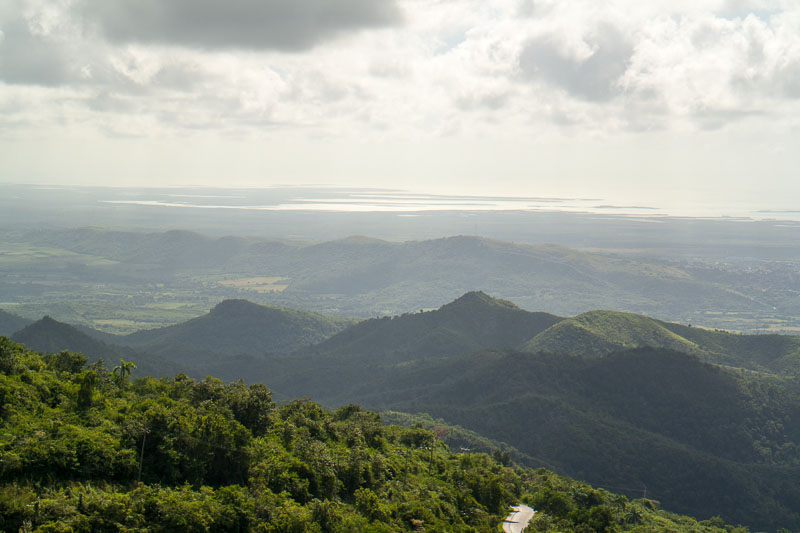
x=245, y=24
x=428, y=66
x=402, y=73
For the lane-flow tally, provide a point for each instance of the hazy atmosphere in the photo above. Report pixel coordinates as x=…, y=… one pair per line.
x=686, y=106
x=379, y=266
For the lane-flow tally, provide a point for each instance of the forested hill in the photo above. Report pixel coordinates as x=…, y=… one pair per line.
x=48, y=336
x=241, y=327
x=598, y=333
x=648, y=417
x=76, y=440
x=686, y=430
x=472, y=322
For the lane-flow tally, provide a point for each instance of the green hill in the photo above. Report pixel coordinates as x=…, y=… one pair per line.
x=103, y=336
x=472, y=322
x=597, y=414
x=600, y=332
x=83, y=449
x=50, y=336
x=597, y=333
x=685, y=430
x=239, y=327
x=771, y=353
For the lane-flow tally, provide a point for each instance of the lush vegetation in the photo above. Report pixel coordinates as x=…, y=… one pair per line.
x=643, y=420
x=457, y=437
x=240, y=327
x=48, y=335
x=601, y=332
x=86, y=449
x=598, y=333
x=701, y=439
x=472, y=322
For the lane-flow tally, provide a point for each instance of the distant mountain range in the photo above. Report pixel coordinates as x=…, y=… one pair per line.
x=473, y=322
x=364, y=277
x=232, y=328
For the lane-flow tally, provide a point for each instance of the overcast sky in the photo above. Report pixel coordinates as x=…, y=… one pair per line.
x=648, y=101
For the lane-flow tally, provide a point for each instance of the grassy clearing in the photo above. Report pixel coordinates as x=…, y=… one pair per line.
x=119, y=325
x=257, y=284
x=15, y=254
x=114, y=315
x=172, y=306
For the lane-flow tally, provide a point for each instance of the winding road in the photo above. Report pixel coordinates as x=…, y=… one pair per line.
x=516, y=521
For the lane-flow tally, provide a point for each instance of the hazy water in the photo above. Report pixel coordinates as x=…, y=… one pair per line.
x=353, y=200
x=702, y=226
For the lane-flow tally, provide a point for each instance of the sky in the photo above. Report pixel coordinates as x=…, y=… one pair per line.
x=658, y=102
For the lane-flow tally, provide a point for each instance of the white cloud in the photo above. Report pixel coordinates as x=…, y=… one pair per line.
x=589, y=69
x=409, y=73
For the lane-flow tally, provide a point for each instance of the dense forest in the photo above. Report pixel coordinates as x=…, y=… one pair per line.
x=85, y=448
x=707, y=422
x=700, y=438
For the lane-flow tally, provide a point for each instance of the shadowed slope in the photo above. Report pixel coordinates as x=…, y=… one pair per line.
x=50, y=336
x=11, y=323
x=241, y=327
x=686, y=430
x=473, y=322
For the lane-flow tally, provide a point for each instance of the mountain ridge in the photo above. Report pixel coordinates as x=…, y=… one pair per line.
x=365, y=277
x=51, y=336
x=596, y=333
x=599, y=415
x=473, y=321
x=237, y=326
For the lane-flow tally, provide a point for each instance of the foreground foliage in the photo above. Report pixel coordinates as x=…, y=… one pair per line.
x=702, y=439
x=83, y=449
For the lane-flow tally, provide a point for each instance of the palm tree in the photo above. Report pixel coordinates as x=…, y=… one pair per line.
x=123, y=370
x=633, y=516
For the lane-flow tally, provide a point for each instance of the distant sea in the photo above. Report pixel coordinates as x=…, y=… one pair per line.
x=702, y=225
x=406, y=203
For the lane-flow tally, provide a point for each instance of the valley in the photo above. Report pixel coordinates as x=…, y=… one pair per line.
x=123, y=281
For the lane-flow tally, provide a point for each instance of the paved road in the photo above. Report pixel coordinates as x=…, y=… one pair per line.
x=516, y=521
